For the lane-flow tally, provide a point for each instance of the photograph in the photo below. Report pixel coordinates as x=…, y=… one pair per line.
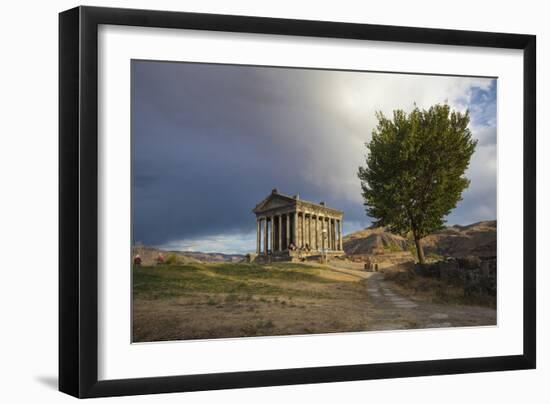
x=273, y=201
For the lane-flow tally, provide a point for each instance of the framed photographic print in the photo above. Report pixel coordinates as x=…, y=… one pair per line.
x=250, y=201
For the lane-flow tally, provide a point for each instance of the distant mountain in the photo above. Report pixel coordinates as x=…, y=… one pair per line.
x=478, y=239
x=149, y=256
x=213, y=257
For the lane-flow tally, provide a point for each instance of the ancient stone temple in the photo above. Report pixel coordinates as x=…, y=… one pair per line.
x=289, y=227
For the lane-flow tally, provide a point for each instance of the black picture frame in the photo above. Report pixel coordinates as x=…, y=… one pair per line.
x=78, y=201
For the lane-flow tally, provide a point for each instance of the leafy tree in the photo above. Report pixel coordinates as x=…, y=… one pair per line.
x=414, y=172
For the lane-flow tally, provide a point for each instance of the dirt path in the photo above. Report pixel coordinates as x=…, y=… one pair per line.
x=346, y=267
x=391, y=310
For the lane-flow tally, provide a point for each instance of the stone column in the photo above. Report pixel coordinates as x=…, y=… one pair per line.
x=319, y=233
x=337, y=235
x=313, y=232
x=266, y=245
x=329, y=224
x=340, y=236
x=258, y=235
x=304, y=229
x=309, y=230
x=280, y=233
x=316, y=233
x=295, y=229
x=322, y=234
x=304, y=218
x=287, y=230
x=334, y=234
x=272, y=234
x=303, y=238
x=329, y=235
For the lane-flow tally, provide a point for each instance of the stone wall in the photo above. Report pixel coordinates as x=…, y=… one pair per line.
x=477, y=275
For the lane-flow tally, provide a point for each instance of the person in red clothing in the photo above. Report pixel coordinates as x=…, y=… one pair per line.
x=137, y=260
x=160, y=259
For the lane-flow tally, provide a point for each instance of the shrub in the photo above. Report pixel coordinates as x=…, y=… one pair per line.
x=172, y=259
x=392, y=247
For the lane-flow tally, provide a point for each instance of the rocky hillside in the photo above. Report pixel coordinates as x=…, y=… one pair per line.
x=149, y=256
x=372, y=240
x=478, y=239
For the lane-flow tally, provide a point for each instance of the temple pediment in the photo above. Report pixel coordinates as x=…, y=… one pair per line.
x=274, y=201
x=278, y=201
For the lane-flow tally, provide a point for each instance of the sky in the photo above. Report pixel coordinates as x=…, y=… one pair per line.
x=211, y=141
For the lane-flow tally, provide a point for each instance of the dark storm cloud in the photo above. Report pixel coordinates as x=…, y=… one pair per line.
x=210, y=141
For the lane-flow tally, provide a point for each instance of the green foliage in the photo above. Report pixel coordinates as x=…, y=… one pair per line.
x=414, y=172
x=172, y=259
x=392, y=247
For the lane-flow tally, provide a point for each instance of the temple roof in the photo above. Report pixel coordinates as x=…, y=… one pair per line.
x=276, y=200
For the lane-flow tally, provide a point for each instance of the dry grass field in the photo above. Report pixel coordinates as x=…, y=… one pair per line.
x=224, y=300
x=233, y=300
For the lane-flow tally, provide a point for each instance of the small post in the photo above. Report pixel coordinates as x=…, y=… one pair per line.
x=324, y=252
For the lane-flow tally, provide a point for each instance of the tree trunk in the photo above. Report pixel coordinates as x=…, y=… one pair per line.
x=419, y=250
